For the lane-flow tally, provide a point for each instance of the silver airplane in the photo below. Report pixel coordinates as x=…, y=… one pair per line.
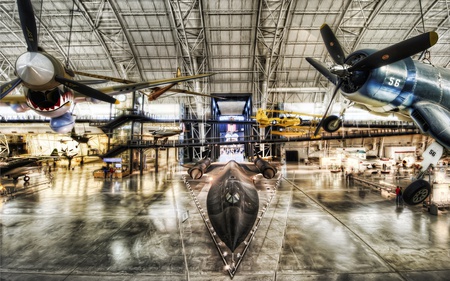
x=389, y=81
x=50, y=89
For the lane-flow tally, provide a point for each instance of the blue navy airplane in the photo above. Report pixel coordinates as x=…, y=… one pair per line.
x=389, y=81
x=232, y=201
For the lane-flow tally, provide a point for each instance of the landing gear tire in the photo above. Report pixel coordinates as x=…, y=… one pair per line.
x=416, y=192
x=331, y=124
x=26, y=178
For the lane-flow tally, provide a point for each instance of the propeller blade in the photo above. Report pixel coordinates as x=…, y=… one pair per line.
x=8, y=87
x=323, y=70
x=28, y=23
x=333, y=46
x=86, y=90
x=396, y=52
x=336, y=90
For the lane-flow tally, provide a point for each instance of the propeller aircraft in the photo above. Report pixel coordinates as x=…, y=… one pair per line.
x=390, y=81
x=288, y=118
x=290, y=123
x=156, y=92
x=49, y=86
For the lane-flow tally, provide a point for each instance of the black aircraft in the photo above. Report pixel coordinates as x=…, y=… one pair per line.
x=233, y=201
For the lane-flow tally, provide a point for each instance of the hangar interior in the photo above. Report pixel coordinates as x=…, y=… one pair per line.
x=148, y=223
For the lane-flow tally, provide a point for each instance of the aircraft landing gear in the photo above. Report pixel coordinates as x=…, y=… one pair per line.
x=332, y=123
x=419, y=190
x=416, y=192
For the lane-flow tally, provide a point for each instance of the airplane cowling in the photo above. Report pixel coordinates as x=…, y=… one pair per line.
x=62, y=124
x=267, y=170
x=197, y=171
x=391, y=84
x=432, y=120
x=51, y=103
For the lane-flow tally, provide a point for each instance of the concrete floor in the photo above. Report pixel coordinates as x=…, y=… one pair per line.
x=148, y=228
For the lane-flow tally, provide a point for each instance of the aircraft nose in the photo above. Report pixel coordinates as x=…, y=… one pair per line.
x=35, y=68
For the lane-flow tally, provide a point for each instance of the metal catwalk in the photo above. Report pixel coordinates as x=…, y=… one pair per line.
x=317, y=227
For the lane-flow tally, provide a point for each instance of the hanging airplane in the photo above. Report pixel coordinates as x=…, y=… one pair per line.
x=155, y=92
x=164, y=134
x=389, y=81
x=48, y=84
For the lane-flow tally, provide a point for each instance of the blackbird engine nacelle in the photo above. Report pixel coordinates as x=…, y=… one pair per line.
x=267, y=170
x=199, y=169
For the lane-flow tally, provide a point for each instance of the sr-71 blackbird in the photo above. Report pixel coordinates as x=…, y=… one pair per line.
x=233, y=203
x=49, y=85
x=389, y=81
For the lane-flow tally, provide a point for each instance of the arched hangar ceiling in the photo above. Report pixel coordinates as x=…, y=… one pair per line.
x=256, y=47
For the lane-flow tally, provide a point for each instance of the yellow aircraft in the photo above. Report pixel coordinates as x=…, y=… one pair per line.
x=291, y=122
x=287, y=118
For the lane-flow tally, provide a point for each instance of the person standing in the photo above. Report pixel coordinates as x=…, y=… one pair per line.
x=398, y=193
x=105, y=171
x=111, y=172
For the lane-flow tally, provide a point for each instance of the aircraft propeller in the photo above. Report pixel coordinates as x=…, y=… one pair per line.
x=340, y=72
x=28, y=24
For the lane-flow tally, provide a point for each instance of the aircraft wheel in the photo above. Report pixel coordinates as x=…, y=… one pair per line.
x=416, y=192
x=331, y=124
x=26, y=178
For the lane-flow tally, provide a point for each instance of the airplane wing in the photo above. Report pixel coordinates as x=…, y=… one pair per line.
x=128, y=88
x=432, y=119
x=182, y=91
x=122, y=89
x=13, y=99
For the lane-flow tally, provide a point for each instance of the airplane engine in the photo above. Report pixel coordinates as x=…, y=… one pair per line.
x=199, y=169
x=62, y=124
x=267, y=170
x=398, y=85
x=51, y=103
x=391, y=84
x=19, y=107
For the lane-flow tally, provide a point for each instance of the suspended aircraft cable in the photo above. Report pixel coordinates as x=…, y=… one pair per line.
x=425, y=53
x=40, y=16
x=70, y=34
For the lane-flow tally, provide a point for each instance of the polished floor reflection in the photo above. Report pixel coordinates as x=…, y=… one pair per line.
x=317, y=227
